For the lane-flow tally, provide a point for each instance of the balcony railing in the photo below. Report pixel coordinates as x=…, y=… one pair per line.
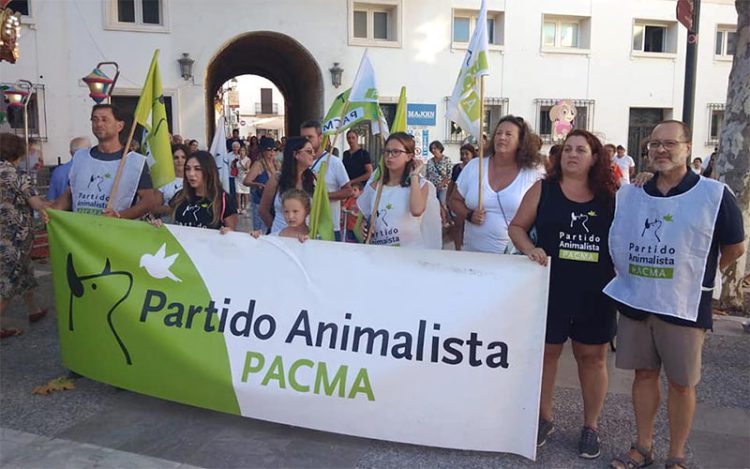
x=267, y=108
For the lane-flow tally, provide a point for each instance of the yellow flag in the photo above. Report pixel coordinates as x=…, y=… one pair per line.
x=399, y=120
x=156, y=143
x=321, y=220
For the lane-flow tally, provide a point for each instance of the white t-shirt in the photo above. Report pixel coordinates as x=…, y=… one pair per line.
x=169, y=189
x=336, y=178
x=625, y=163
x=395, y=225
x=500, y=207
x=279, y=222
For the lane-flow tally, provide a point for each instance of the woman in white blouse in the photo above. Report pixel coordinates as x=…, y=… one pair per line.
x=510, y=170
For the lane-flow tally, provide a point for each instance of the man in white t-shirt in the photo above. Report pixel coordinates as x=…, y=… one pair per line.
x=337, y=180
x=626, y=164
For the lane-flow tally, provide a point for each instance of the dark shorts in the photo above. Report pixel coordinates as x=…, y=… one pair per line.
x=588, y=318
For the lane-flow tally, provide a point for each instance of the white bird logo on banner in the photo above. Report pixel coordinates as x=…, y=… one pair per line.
x=158, y=265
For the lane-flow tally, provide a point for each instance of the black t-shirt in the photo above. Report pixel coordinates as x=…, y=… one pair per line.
x=199, y=213
x=728, y=229
x=355, y=162
x=575, y=236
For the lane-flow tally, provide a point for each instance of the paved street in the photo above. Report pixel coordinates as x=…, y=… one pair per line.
x=96, y=425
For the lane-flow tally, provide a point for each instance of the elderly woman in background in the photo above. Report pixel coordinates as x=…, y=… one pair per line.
x=17, y=200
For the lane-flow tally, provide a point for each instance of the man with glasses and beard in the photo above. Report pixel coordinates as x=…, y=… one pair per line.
x=665, y=242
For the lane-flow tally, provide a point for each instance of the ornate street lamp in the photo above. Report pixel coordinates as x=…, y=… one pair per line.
x=18, y=95
x=10, y=32
x=186, y=66
x=336, y=73
x=100, y=84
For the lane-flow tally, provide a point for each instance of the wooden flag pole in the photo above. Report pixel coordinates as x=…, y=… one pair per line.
x=374, y=214
x=480, y=140
x=120, y=166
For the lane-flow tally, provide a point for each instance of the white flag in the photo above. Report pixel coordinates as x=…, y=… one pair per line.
x=219, y=151
x=364, y=88
x=464, y=106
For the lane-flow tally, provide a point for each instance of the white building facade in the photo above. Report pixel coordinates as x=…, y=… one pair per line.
x=621, y=61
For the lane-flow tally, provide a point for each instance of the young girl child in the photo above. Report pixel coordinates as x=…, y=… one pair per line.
x=296, y=207
x=202, y=201
x=405, y=215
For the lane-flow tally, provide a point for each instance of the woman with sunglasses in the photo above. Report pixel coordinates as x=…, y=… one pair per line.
x=512, y=167
x=295, y=174
x=408, y=212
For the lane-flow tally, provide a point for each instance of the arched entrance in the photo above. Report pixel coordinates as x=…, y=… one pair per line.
x=277, y=57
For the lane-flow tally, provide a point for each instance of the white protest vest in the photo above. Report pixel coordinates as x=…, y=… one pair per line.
x=91, y=182
x=659, y=246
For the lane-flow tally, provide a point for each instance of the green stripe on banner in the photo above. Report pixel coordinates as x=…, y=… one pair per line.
x=112, y=279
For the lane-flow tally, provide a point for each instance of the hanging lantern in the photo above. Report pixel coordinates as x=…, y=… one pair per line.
x=10, y=32
x=15, y=95
x=99, y=83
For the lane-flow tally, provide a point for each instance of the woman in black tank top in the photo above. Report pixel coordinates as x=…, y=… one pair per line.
x=572, y=211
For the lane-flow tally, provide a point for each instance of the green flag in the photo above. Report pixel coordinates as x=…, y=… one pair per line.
x=156, y=143
x=321, y=220
x=334, y=122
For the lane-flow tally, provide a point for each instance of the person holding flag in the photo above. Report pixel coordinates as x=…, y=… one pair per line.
x=402, y=209
x=335, y=176
x=92, y=175
x=513, y=167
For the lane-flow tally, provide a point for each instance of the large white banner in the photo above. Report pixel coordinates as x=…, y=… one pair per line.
x=435, y=348
x=427, y=347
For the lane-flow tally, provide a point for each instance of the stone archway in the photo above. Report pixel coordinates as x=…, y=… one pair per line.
x=277, y=57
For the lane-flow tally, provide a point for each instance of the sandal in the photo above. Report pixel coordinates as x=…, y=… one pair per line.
x=626, y=461
x=39, y=315
x=675, y=463
x=10, y=332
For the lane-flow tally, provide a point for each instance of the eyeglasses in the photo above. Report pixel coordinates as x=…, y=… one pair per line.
x=395, y=152
x=668, y=145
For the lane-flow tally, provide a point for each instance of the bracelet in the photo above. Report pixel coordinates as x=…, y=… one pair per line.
x=469, y=216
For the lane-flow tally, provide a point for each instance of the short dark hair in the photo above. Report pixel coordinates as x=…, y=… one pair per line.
x=620, y=147
x=312, y=124
x=686, y=132
x=438, y=145
x=180, y=147
x=352, y=131
x=116, y=111
x=12, y=147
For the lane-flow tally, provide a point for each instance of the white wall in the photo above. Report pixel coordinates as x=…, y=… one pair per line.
x=68, y=38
